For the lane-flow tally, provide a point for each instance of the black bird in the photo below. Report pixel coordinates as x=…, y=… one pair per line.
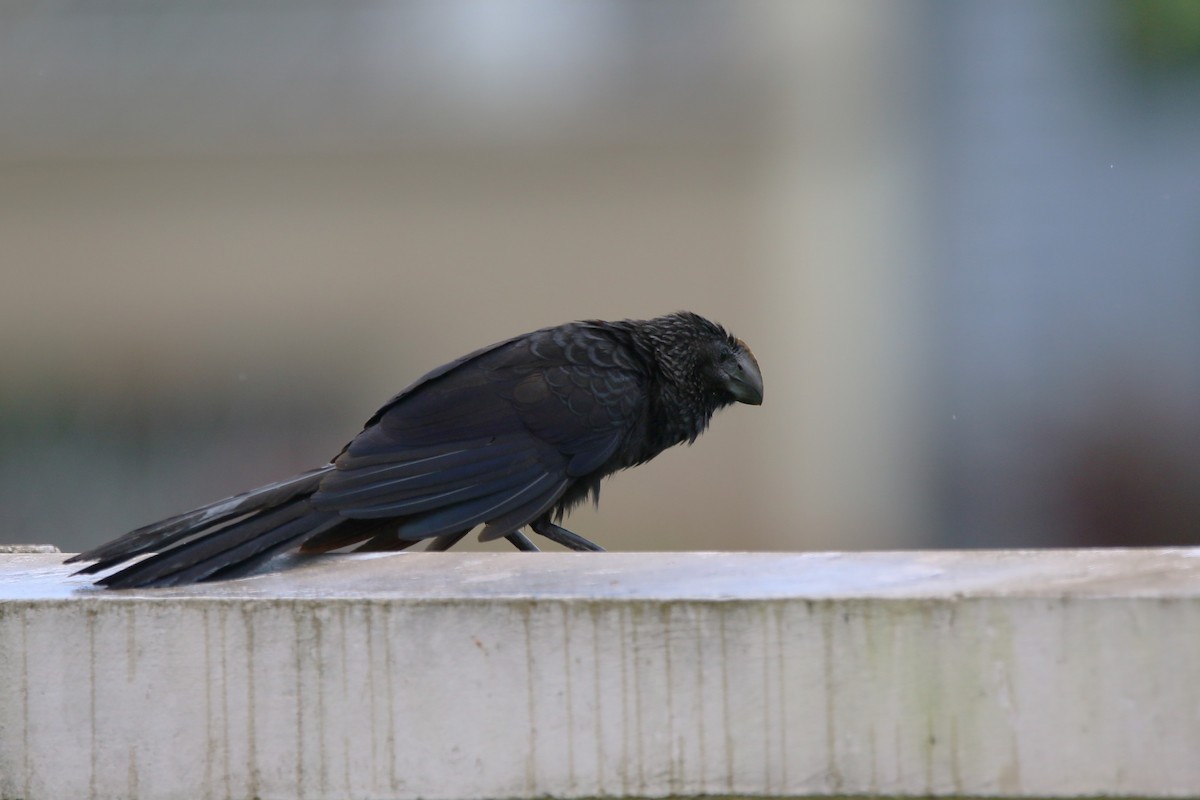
x=511, y=435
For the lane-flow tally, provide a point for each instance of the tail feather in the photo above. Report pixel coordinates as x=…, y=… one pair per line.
x=253, y=562
x=230, y=538
x=344, y=536
x=235, y=548
x=173, y=559
x=158, y=535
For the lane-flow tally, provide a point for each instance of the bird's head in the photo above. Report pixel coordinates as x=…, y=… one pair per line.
x=703, y=356
x=735, y=371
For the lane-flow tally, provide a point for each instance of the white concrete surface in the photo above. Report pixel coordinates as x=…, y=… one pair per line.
x=998, y=674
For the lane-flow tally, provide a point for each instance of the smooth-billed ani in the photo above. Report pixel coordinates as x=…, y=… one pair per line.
x=511, y=435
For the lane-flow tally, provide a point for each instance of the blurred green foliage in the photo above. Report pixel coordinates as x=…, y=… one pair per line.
x=1163, y=33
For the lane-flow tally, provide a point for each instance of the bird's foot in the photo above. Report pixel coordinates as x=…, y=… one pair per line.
x=557, y=533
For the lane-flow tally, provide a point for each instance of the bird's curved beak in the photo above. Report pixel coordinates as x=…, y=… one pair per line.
x=744, y=382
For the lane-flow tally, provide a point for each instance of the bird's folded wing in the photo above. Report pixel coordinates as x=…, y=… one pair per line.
x=498, y=439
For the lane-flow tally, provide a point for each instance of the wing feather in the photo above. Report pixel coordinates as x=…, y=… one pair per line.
x=497, y=437
x=468, y=515
x=408, y=478
x=492, y=486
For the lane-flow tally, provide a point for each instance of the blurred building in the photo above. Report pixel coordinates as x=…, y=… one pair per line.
x=1065, y=186
x=960, y=237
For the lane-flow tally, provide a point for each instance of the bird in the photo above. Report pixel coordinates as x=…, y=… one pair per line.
x=510, y=436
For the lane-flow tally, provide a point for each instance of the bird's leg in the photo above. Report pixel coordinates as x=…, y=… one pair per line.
x=445, y=542
x=521, y=542
x=557, y=533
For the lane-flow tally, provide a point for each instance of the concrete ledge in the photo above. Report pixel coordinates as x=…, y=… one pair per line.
x=972, y=674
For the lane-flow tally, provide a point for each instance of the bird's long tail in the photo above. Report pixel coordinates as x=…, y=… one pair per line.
x=224, y=539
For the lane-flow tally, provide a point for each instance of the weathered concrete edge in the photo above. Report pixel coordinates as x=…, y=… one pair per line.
x=1158, y=573
x=982, y=693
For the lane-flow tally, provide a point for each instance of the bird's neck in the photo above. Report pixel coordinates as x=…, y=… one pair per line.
x=680, y=407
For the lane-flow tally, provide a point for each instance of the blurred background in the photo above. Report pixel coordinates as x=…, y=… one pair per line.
x=962, y=238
